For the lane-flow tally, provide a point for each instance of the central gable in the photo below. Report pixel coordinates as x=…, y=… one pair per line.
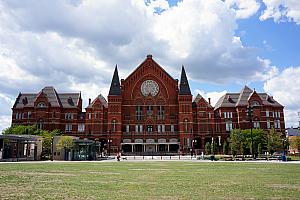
x=152, y=74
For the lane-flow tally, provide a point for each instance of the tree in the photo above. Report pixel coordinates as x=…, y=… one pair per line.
x=295, y=143
x=65, y=142
x=33, y=130
x=234, y=141
x=225, y=148
x=207, y=148
x=259, y=150
x=213, y=147
x=273, y=141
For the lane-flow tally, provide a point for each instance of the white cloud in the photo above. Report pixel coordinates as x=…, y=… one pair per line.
x=243, y=9
x=74, y=45
x=282, y=10
x=214, y=96
x=5, y=121
x=286, y=89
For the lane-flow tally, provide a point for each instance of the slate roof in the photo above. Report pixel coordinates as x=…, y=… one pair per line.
x=102, y=100
x=241, y=99
x=184, y=88
x=198, y=98
x=293, y=132
x=64, y=100
x=115, y=88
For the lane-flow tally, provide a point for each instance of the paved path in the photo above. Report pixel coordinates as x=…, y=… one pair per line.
x=158, y=159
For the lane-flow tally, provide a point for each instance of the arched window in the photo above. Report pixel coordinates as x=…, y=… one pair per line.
x=40, y=124
x=41, y=105
x=255, y=103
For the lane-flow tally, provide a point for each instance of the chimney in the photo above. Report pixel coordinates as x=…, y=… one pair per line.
x=209, y=101
x=89, y=101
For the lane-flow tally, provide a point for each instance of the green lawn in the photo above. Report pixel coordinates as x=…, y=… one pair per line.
x=149, y=180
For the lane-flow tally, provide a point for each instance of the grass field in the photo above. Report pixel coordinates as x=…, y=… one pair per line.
x=149, y=180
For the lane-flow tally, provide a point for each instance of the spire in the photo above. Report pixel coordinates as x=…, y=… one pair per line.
x=115, y=88
x=184, y=88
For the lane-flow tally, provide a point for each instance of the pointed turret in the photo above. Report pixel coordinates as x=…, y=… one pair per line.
x=184, y=88
x=115, y=88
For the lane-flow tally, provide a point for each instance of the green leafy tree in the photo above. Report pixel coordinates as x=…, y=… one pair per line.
x=225, y=148
x=65, y=142
x=234, y=141
x=207, y=148
x=273, y=141
x=33, y=130
x=213, y=147
x=259, y=150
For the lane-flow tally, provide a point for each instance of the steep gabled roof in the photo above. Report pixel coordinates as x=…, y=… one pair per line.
x=149, y=57
x=55, y=99
x=244, y=95
x=101, y=99
x=227, y=100
x=115, y=88
x=184, y=88
x=241, y=99
x=198, y=98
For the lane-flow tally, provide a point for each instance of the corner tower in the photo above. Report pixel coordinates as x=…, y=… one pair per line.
x=114, y=113
x=185, y=116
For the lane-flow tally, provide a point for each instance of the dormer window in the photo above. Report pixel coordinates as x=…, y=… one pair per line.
x=70, y=101
x=255, y=103
x=41, y=105
x=25, y=100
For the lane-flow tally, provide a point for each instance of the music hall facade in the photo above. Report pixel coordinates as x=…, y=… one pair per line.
x=149, y=113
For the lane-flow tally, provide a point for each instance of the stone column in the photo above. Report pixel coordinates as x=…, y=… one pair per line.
x=156, y=148
x=144, y=147
x=132, y=147
x=168, y=147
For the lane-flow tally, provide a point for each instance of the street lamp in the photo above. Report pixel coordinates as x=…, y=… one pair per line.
x=109, y=141
x=52, y=140
x=250, y=116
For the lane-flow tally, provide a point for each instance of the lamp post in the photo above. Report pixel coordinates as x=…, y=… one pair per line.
x=109, y=141
x=192, y=143
x=52, y=140
x=249, y=112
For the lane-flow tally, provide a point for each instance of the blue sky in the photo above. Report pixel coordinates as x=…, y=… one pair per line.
x=223, y=44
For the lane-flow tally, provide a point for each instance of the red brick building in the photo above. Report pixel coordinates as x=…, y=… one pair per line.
x=149, y=112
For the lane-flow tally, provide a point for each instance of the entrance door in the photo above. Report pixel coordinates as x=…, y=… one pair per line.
x=138, y=148
x=162, y=148
x=126, y=148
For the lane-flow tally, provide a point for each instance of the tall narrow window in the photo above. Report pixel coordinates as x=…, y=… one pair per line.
x=40, y=124
x=267, y=113
x=161, y=112
x=149, y=110
x=68, y=128
x=228, y=126
x=256, y=124
x=114, y=125
x=268, y=124
x=186, y=127
x=80, y=128
x=138, y=112
x=172, y=128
